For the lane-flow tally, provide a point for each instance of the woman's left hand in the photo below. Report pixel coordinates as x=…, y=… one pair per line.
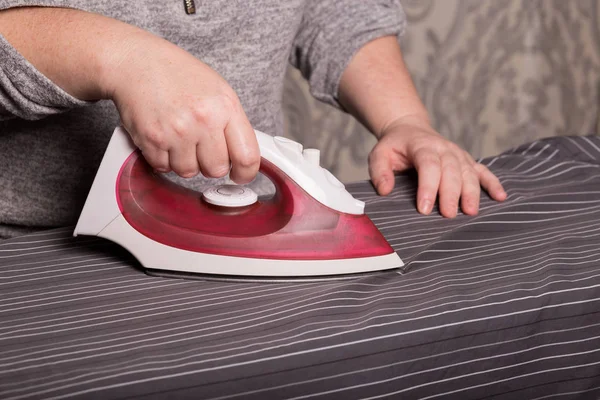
x=444, y=169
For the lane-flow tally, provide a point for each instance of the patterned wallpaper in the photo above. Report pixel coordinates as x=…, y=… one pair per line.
x=493, y=74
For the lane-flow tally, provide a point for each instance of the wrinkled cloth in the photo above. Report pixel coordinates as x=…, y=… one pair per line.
x=503, y=305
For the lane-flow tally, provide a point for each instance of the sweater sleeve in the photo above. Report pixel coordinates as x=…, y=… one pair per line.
x=331, y=33
x=24, y=91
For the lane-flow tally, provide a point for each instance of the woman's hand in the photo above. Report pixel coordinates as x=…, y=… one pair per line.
x=182, y=114
x=444, y=169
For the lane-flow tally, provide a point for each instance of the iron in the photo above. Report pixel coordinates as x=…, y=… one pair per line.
x=310, y=227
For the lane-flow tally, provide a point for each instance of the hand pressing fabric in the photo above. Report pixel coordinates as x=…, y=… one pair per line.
x=441, y=166
x=377, y=89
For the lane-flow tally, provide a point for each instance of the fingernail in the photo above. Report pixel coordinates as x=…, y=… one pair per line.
x=425, y=206
x=161, y=170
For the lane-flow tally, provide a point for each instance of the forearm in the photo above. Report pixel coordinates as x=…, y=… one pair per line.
x=377, y=89
x=76, y=50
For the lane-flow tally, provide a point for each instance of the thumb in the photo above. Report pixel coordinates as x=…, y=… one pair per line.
x=380, y=170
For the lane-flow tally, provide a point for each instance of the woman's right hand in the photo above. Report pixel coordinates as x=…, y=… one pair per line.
x=180, y=113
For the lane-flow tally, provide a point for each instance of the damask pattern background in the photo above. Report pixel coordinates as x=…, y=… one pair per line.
x=493, y=74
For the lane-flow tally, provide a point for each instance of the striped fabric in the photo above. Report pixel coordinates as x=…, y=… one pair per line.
x=504, y=305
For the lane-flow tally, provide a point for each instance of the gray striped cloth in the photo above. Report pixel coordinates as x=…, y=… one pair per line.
x=504, y=305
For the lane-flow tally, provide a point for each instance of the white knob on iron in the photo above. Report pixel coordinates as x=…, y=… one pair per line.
x=230, y=196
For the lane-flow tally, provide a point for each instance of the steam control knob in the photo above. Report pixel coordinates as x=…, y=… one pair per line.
x=230, y=196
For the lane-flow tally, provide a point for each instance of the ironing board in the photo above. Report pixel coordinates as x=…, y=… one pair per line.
x=504, y=305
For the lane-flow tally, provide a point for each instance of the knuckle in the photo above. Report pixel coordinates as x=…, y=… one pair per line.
x=203, y=113
x=451, y=170
x=229, y=102
x=180, y=127
x=186, y=171
x=481, y=169
x=471, y=186
x=156, y=163
x=452, y=151
x=468, y=170
x=428, y=158
x=247, y=160
x=215, y=171
x=217, y=111
x=451, y=147
x=453, y=163
x=455, y=193
x=441, y=147
x=454, y=148
x=156, y=138
x=432, y=161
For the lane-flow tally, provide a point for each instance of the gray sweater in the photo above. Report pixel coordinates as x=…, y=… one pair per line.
x=51, y=144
